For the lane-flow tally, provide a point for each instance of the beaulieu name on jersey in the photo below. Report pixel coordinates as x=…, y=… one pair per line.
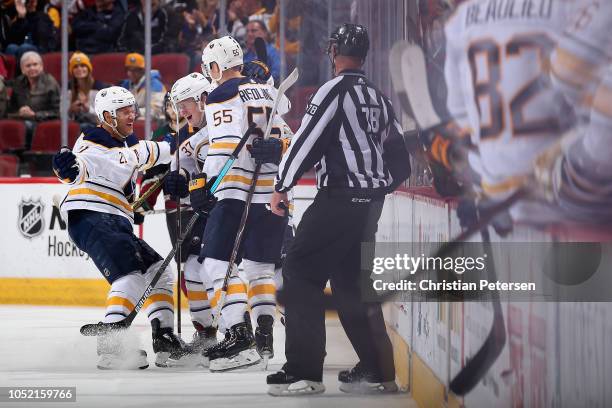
x=497, y=10
x=254, y=94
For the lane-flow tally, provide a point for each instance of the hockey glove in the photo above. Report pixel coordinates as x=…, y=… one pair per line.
x=256, y=70
x=176, y=184
x=201, y=198
x=65, y=165
x=267, y=150
x=171, y=140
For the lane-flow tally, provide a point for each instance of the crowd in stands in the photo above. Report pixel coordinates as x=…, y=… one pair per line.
x=106, y=43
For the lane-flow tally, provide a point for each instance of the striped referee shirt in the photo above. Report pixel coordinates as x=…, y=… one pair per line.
x=351, y=135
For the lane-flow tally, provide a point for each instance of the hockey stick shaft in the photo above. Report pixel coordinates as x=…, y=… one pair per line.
x=475, y=369
x=179, y=247
x=141, y=200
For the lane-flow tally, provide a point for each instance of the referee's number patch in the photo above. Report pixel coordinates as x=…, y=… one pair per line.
x=311, y=109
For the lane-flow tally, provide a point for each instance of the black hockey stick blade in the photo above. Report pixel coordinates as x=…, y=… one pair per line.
x=101, y=328
x=260, y=50
x=481, y=362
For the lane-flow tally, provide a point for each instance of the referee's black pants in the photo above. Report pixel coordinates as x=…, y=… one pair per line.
x=327, y=246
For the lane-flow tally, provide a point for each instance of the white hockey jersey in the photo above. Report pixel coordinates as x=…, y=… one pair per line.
x=108, y=169
x=230, y=108
x=193, y=152
x=498, y=85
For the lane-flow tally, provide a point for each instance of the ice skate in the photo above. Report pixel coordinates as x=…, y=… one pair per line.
x=237, y=350
x=264, y=340
x=283, y=383
x=359, y=381
x=168, y=348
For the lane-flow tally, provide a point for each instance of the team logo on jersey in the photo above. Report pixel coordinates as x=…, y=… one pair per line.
x=31, y=222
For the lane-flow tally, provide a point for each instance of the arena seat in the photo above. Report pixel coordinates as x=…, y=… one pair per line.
x=47, y=136
x=109, y=67
x=12, y=135
x=9, y=165
x=171, y=67
x=11, y=65
x=52, y=63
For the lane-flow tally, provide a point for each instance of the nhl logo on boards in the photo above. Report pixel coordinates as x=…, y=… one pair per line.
x=31, y=222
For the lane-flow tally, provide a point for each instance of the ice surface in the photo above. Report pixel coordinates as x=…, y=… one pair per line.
x=42, y=347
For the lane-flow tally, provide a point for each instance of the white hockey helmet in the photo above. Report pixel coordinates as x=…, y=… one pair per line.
x=111, y=99
x=190, y=86
x=225, y=52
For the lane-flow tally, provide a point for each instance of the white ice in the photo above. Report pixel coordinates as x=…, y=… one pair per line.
x=42, y=347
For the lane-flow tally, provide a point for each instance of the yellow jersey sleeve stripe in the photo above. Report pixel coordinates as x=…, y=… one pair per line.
x=505, y=186
x=223, y=145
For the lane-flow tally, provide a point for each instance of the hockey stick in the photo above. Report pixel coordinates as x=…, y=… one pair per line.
x=141, y=200
x=162, y=211
x=475, y=369
x=286, y=84
x=179, y=270
x=101, y=328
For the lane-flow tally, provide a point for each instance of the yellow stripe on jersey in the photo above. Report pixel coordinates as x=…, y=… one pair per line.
x=223, y=145
x=247, y=180
x=158, y=297
x=196, y=295
x=571, y=69
x=104, y=196
x=119, y=301
x=602, y=101
x=265, y=289
x=509, y=184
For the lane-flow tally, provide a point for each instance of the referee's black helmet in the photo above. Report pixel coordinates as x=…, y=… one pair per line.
x=350, y=40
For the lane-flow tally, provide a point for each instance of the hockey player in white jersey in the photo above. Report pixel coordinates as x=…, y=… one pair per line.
x=231, y=108
x=101, y=170
x=188, y=95
x=578, y=175
x=499, y=92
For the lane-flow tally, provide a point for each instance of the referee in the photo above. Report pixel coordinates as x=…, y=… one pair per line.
x=351, y=136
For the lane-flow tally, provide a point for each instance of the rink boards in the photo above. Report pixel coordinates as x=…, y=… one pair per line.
x=557, y=354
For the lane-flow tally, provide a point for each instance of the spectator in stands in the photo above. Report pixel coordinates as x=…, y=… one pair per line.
x=135, y=83
x=292, y=29
x=255, y=29
x=237, y=20
x=83, y=89
x=174, y=10
x=36, y=94
x=31, y=30
x=198, y=26
x=132, y=33
x=257, y=11
x=97, y=29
